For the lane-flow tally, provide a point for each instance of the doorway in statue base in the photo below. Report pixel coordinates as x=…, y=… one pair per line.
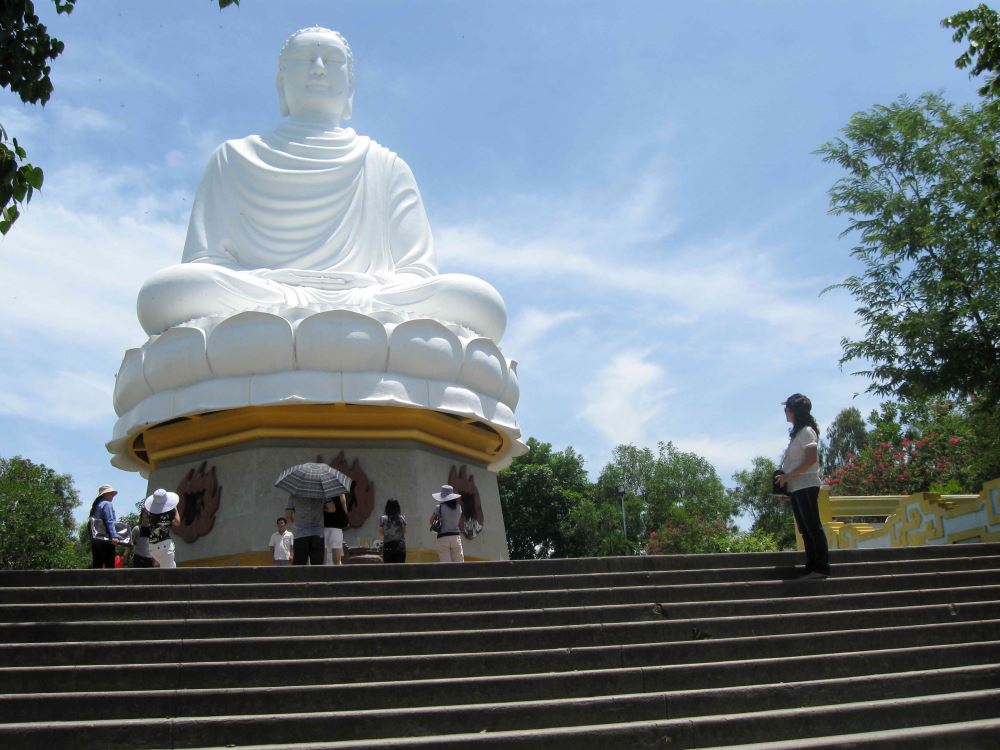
x=245, y=514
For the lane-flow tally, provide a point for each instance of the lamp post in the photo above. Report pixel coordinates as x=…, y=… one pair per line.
x=621, y=497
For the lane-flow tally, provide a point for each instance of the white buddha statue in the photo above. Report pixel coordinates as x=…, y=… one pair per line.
x=313, y=215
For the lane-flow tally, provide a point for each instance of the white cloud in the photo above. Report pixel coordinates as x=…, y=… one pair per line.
x=59, y=397
x=532, y=325
x=83, y=118
x=626, y=398
x=19, y=121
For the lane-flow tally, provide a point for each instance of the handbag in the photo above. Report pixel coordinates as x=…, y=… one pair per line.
x=436, y=525
x=98, y=530
x=777, y=489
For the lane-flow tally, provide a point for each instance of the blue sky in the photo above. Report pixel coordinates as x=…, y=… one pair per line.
x=636, y=178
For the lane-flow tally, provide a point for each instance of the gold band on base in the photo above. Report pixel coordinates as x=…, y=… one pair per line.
x=185, y=436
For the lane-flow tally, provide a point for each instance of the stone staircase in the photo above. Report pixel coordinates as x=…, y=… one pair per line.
x=900, y=649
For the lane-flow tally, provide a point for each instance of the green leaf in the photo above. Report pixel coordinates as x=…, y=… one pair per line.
x=34, y=177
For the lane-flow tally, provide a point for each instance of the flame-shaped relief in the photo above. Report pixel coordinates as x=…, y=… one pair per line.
x=465, y=484
x=201, y=494
x=361, y=501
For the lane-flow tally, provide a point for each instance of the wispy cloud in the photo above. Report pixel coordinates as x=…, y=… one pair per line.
x=56, y=397
x=83, y=118
x=626, y=398
x=532, y=325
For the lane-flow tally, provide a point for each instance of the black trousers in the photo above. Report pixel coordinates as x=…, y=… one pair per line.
x=307, y=549
x=805, y=507
x=102, y=554
x=394, y=552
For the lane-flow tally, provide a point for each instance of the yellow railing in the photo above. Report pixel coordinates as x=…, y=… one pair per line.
x=910, y=520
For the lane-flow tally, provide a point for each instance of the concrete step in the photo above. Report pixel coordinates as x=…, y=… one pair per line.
x=223, y=647
x=689, y=651
x=767, y=725
x=518, y=569
x=964, y=735
x=180, y=674
x=140, y=702
x=318, y=604
x=263, y=624
x=607, y=684
x=425, y=587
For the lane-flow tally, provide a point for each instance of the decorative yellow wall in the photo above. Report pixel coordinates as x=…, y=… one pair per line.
x=911, y=520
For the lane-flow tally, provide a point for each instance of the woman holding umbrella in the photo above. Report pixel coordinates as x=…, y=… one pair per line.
x=163, y=516
x=309, y=487
x=449, y=513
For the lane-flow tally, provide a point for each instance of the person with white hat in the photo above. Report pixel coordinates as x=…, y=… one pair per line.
x=102, y=545
x=449, y=513
x=163, y=515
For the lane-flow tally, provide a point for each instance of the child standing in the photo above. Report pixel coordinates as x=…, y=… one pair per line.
x=281, y=544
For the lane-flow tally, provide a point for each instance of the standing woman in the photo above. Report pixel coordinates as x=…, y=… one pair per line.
x=141, y=558
x=449, y=512
x=163, y=516
x=335, y=520
x=801, y=479
x=102, y=548
x=392, y=529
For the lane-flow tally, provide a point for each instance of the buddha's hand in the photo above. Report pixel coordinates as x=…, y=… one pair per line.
x=330, y=280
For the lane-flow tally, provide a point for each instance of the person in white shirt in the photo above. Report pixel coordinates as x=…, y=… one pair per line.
x=800, y=477
x=281, y=544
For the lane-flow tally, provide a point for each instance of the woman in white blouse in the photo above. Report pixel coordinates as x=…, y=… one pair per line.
x=800, y=465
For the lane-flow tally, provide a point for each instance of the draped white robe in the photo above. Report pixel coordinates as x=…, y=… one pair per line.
x=298, y=218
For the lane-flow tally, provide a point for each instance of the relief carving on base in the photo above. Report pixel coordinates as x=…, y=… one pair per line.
x=200, y=495
x=361, y=501
x=465, y=484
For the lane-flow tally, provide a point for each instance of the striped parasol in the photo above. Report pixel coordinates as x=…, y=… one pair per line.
x=313, y=480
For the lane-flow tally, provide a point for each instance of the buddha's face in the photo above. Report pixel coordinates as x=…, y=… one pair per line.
x=313, y=78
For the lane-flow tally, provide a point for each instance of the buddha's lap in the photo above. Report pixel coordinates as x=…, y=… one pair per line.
x=189, y=291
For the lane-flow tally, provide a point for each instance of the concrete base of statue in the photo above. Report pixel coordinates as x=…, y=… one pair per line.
x=229, y=502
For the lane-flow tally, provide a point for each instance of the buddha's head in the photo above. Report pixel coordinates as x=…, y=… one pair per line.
x=316, y=76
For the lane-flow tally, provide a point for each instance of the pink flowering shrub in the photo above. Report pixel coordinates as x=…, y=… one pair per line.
x=902, y=466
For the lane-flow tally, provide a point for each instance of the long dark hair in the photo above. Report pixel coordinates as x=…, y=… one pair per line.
x=392, y=507
x=801, y=408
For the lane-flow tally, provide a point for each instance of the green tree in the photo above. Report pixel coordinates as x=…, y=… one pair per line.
x=846, y=436
x=981, y=26
x=751, y=495
x=593, y=528
x=694, y=535
x=667, y=486
x=26, y=49
x=37, y=529
x=929, y=291
x=537, y=492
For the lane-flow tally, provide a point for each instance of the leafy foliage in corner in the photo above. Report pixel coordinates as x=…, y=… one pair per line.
x=981, y=26
x=26, y=49
x=37, y=529
x=929, y=292
x=25, y=52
